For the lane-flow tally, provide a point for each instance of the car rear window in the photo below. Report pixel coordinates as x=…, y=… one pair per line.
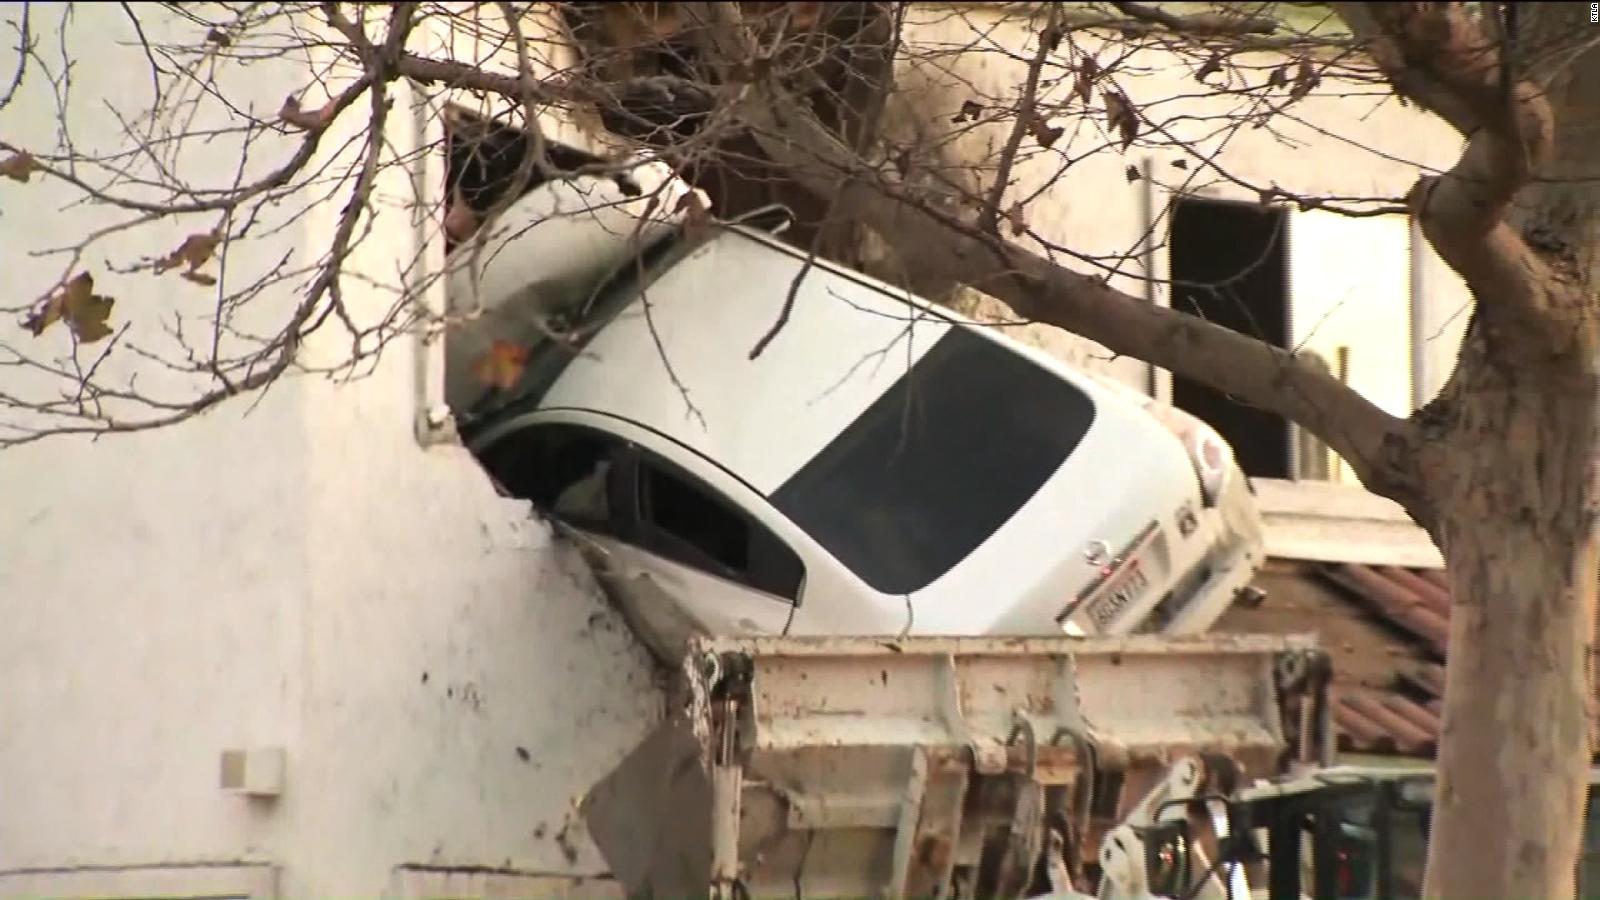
x=939, y=462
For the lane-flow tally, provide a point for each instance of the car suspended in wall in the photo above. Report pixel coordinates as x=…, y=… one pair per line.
x=883, y=466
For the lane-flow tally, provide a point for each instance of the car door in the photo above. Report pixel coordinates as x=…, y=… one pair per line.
x=571, y=473
x=579, y=476
x=707, y=552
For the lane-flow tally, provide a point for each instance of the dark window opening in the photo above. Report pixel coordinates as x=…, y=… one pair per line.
x=688, y=523
x=1229, y=264
x=937, y=463
x=565, y=470
x=484, y=157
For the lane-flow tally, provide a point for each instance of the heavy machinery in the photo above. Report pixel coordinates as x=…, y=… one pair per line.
x=1340, y=833
x=941, y=767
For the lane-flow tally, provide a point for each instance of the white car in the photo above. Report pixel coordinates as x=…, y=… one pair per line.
x=883, y=467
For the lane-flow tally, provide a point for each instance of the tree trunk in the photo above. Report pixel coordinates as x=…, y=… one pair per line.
x=1499, y=467
x=1515, y=500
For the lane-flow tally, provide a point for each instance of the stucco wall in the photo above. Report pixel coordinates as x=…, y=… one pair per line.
x=298, y=573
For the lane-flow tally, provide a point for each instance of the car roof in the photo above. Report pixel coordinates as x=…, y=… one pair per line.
x=679, y=361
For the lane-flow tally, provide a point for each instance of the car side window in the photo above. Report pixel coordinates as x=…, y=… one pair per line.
x=690, y=523
x=566, y=470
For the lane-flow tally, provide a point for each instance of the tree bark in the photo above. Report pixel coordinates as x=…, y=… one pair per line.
x=1511, y=467
x=1515, y=493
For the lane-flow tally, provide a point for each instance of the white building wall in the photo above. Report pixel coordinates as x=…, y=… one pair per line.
x=297, y=573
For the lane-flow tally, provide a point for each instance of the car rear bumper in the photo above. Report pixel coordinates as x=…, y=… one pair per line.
x=1229, y=564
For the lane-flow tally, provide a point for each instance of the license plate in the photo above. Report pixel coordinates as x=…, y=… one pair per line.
x=1118, y=594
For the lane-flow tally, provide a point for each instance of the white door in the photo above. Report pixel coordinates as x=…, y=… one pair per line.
x=1350, y=289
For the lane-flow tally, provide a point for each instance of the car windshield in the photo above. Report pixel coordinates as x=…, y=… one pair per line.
x=937, y=463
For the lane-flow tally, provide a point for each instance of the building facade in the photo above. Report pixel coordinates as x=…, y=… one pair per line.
x=298, y=646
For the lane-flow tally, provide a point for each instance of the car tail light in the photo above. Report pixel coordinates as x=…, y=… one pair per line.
x=1210, y=455
x=1212, y=458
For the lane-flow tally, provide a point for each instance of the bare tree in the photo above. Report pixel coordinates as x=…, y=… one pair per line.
x=825, y=107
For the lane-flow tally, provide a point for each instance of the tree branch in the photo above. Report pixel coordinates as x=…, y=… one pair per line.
x=1027, y=110
x=1438, y=56
x=1199, y=23
x=1370, y=23
x=623, y=105
x=949, y=245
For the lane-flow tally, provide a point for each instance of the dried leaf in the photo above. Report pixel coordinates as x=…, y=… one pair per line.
x=1279, y=76
x=1089, y=67
x=460, y=220
x=696, y=217
x=308, y=119
x=1210, y=67
x=969, y=112
x=1131, y=173
x=219, y=37
x=1130, y=129
x=1050, y=39
x=502, y=366
x=1014, y=215
x=1121, y=118
x=1180, y=164
x=1043, y=132
x=198, y=278
x=19, y=167
x=1305, y=79
x=90, y=325
x=84, y=311
x=194, y=252
x=1039, y=127
x=54, y=307
x=805, y=15
x=1115, y=110
x=43, y=317
x=1083, y=87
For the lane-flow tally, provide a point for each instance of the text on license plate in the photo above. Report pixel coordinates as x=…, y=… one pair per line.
x=1117, y=594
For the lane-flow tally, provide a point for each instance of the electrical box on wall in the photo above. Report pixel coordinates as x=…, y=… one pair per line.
x=253, y=771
